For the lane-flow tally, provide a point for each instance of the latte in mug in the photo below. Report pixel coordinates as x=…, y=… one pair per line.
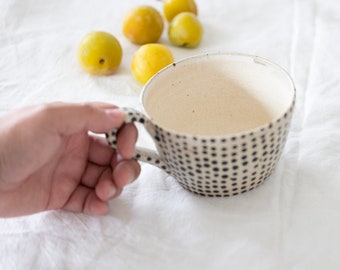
x=215, y=98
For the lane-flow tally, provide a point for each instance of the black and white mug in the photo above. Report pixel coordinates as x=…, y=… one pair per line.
x=219, y=121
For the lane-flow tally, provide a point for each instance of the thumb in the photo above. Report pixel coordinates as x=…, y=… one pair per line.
x=72, y=118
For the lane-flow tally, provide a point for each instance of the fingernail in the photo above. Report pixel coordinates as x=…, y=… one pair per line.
x=116, y=114
x=130, y=179
x=119, y=157
x=134, y=174
x=112, y=192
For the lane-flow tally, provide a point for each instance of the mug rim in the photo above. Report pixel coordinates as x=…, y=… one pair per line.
x=256, y=59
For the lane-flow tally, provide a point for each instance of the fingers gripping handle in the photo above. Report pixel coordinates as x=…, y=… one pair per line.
x=130, y=117
x=141, y=154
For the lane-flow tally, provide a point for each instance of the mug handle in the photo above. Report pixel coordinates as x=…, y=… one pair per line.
x=141, y=153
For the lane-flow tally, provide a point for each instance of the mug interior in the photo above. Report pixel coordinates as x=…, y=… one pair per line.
x=218, y=94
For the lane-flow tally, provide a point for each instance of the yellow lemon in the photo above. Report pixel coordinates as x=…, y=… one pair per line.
x=185, y=30
x=173, y=7
x=143, y=24
x=100, y=53
x=149, y=59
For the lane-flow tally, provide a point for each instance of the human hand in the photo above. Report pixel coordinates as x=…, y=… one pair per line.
x=48, y=159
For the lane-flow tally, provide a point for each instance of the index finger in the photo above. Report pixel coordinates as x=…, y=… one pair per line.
x=67, y=119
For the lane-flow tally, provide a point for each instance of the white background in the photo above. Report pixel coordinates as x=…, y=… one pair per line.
x=292, y=221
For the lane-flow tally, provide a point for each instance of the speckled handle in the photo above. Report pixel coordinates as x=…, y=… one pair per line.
x=141, y=153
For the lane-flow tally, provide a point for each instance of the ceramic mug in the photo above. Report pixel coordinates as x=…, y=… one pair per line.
x=219, y=121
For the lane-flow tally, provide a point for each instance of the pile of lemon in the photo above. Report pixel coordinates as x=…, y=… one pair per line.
x=100, y=53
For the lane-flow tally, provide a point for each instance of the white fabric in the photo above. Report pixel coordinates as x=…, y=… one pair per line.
x=292, y=221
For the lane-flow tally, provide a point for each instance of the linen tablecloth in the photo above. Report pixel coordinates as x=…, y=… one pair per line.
x=292, y=221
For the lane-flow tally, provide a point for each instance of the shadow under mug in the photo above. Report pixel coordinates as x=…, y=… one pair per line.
x=219, y=121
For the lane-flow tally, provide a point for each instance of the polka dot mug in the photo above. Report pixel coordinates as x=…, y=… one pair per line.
x=219, y=121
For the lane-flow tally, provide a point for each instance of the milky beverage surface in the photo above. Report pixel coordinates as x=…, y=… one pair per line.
x=216, y=98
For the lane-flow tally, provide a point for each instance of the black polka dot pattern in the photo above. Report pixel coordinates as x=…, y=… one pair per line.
x=218, y=166
x=143, y=155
